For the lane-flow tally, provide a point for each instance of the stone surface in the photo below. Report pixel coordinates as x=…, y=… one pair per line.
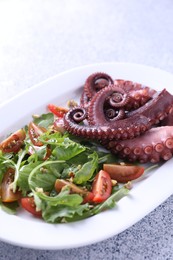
x=40, y=38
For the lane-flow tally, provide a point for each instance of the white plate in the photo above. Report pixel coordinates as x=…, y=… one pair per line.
x=147, y=194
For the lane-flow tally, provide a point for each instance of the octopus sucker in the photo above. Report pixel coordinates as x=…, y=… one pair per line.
x=148, y=149
x=130, y=119
x=169, y=143
x=137, y=151
x=159, y=147
x=166, y=155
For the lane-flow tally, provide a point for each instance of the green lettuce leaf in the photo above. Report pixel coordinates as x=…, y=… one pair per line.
x=63, y=213
x=87, y=169
x=45, y=120
x=24, y=175
x=44, y=175
x=111, y=201
x=67, y=150
x=60, y=208
x=9, y=208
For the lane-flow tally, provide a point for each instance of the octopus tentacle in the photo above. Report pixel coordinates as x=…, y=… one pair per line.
x=78, y=114
x=121, y=129
x=168, y=120
x=100, y=104
x=156, y=109
x=121, y=114
x=113, y=114
x=95, y=82
x=138, y=93
x=84, y=100
x=154, y=145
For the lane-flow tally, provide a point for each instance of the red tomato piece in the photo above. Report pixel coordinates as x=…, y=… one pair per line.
x=29, y=205
x=34, y=132
x=14, y=142
x=124, y=173
x=7, y=195
x=88, y=197
x=102, y=186
x=57, y=110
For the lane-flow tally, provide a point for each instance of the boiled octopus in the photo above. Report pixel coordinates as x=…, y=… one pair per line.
x=131, y=120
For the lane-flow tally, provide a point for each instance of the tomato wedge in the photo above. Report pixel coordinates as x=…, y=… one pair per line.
x=124, y=173
x=7, y=195
x=29, y=205
x=102, y=186
x=14, y=142
x=88, y=197
x=34, y=132
x=57, y=110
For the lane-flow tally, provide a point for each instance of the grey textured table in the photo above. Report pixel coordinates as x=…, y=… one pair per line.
x=40, y=38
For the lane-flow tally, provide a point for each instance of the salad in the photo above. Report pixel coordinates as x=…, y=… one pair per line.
x=56, y=176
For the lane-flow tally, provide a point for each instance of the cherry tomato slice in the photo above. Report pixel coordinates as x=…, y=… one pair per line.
x=102, y=186
x=14, y=142
x=34, y=132
x=88, y=197
x=7, y=195
x=124, y=173
x=29, y=205
x=57, y=111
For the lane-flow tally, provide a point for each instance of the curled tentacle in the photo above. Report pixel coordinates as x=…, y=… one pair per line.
x=78, y=114
x=119, y=98
x=96, y=82
x=113, y=114
x=97, y=111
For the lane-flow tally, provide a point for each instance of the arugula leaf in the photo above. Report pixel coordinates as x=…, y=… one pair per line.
x=67, y=150
x=63, y=198
x=10, y=162
x=21, y=155
x=10, y=208
x=23, y=176
x=42, y=177
x=87, y=170
x=111, y=201
x=54, y=139
x=45, y=120
x=60, y=208
x=63, y=213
